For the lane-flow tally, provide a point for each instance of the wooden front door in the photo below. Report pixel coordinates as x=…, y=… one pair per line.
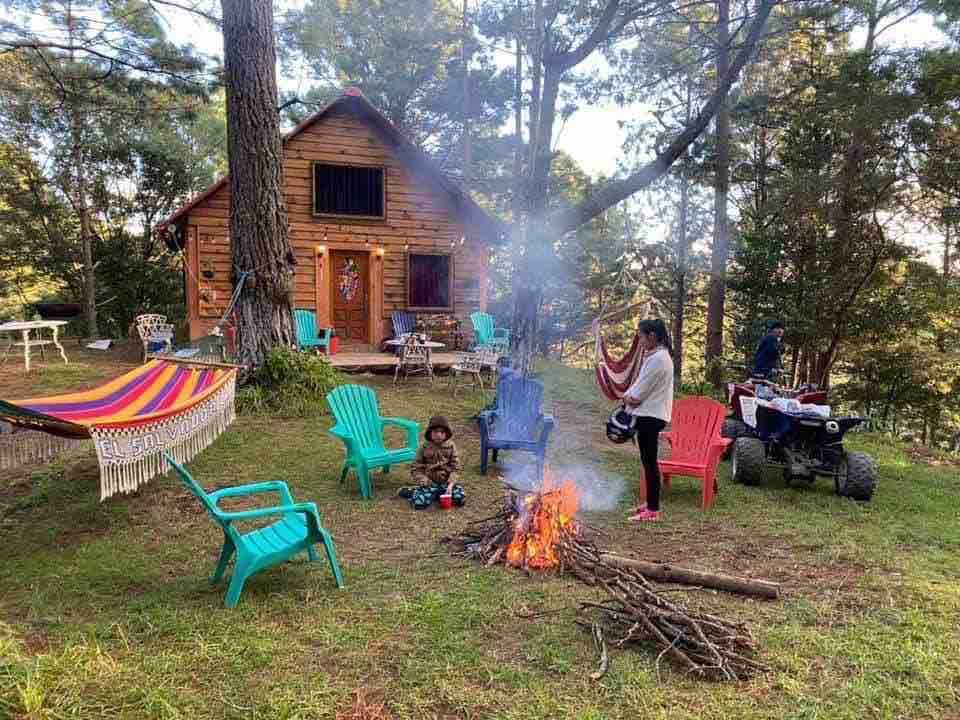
x=349, y=297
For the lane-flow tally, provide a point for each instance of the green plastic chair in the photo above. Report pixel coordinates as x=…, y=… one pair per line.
x=298, y=531
x=487, y=334
x=307, y=335
x=360, y=427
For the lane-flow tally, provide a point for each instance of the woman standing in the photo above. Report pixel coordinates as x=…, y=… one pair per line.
x=650, y=400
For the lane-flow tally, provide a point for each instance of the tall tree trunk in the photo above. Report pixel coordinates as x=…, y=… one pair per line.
x=465, y=61
x=946, y=253
x=518, y=184
x=680, y=287
x=683, y=247
x=81, y=207
x=259, y=231
x=536, y=73
x=721, y=227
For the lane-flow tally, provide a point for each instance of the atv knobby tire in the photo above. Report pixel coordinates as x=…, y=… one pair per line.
x=856, y=476
x=732, y=429
x=749, y=461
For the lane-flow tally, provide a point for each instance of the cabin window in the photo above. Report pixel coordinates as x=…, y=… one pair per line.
x=348, y=191
x=430, y=282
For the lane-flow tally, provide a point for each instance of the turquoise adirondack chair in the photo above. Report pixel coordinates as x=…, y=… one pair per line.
x=360, y=427
x=297, y=531
x=487, y=334
x=307, y=335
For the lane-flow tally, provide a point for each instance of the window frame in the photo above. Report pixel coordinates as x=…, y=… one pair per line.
x=346, y=216
x=438, y=308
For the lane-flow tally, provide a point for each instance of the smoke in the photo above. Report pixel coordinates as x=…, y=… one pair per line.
x=599, y=491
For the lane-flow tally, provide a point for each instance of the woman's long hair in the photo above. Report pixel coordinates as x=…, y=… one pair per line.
x=659, y=330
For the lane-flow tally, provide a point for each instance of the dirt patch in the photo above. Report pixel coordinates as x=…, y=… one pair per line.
x=714, y=547
x=921, y=455
x=365, y=706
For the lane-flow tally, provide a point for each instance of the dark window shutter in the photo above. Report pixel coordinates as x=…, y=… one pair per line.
x=343, y=190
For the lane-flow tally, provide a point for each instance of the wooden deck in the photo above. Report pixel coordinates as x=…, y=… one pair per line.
x=383, y=361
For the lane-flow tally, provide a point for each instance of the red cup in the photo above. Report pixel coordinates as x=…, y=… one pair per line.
x=446, y=501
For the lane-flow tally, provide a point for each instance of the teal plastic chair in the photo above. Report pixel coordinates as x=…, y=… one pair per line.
x=307, y=335
x=487, y=333
x=297, y=531
x=360, y=427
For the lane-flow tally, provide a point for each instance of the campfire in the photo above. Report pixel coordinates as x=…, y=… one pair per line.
x=539, y=530
x=543, y=521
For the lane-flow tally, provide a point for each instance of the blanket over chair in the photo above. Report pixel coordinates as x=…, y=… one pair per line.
x=162, y=406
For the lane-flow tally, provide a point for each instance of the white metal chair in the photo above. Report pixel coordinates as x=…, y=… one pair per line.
x=414, y=358
x=467, y=363
x=154, y=329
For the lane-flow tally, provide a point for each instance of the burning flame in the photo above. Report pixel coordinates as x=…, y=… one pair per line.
x=544, y=520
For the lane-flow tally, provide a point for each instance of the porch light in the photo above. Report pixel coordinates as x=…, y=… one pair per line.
x=380, y=252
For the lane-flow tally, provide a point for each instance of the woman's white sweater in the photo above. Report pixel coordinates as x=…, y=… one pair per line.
x=653, y=388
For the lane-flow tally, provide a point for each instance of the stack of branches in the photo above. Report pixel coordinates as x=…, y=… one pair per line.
x=486, y=540
x=635, y=613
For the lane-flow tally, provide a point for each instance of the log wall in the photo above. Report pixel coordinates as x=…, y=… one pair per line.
x=418, y=217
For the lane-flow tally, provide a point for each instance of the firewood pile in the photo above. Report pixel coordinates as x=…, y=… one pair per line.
x=636, y=614
x=532, y=531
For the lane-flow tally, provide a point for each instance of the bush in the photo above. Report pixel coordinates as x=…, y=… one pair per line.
x=290, y=383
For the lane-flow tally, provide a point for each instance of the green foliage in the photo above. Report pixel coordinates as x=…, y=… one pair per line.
x=290, y=383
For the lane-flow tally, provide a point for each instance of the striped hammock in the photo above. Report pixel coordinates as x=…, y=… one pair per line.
x=159, y=407
x=616, y=376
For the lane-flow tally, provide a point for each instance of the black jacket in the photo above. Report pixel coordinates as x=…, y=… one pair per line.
x=767, y=356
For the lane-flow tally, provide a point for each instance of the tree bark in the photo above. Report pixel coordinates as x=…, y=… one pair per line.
x=79, y=183
x=259, y=230
x=721, y=225
x=465, y=61
x=683, y=249
x=518, y=184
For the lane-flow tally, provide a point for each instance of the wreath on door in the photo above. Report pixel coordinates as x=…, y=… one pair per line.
x=348, y=280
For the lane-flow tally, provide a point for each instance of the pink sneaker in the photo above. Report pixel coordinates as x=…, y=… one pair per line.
x=646, y=516
x=642, y=507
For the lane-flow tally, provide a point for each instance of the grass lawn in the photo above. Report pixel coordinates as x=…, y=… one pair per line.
x=106, y=612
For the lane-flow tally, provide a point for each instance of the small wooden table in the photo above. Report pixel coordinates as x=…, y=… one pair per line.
x=24, y=328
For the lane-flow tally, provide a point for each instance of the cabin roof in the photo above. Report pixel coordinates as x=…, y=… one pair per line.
x=353, y=102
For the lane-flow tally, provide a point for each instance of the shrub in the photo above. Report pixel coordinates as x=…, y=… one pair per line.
x=289, y=383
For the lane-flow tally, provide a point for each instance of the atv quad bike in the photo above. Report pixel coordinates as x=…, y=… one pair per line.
x=734, y=426
x=806, y=446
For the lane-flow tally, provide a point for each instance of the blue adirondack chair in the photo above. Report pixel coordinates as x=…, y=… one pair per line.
x=307, y=335
x=360, y=427
x=516, y=423
x=297, y=531
x=403, y=322
x=486, y=333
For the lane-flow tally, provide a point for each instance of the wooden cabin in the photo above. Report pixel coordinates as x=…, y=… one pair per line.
x=374, y=224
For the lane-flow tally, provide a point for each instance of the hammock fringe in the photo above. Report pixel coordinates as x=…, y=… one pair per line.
x=132, y=456
x=26, y=447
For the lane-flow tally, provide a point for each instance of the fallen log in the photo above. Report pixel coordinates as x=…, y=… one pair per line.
x=665, y=573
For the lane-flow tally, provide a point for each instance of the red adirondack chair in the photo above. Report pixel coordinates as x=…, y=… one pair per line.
x=696, y=444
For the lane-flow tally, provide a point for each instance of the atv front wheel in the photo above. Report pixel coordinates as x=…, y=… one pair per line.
x=856, y=476
x=749, y=460
x=733, y=429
